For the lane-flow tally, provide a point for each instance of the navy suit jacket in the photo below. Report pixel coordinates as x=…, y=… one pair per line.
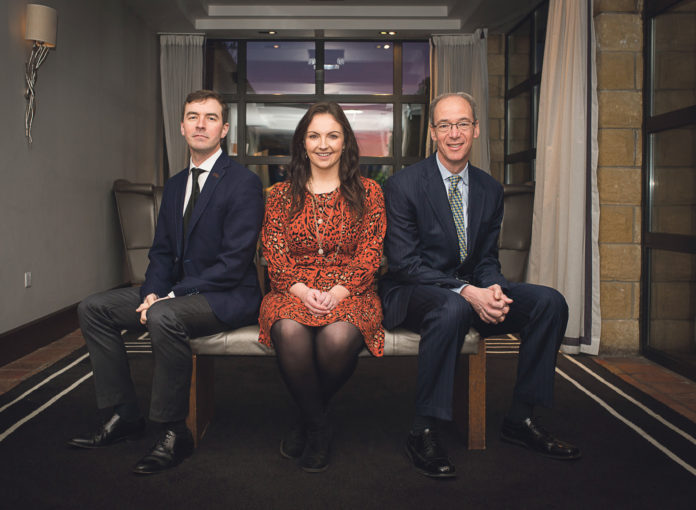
x=421, y=243
x=216, y=257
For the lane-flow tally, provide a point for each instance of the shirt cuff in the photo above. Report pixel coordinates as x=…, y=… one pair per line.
x=458, y=290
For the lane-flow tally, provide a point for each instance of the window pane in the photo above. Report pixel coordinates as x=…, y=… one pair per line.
x=224, y=62
x=518, y=54
x=415, y=67
x=270, y=127
x=541, y=17
x=379, y=173
x=518, y=173
x=358, y=68
x=673, y=181
x=674, y=59
x=414, y=126
x=280, y=67
x=672, y=303
x=232, y=138
x=269, y=174
x=373, y=125
x=519, y=138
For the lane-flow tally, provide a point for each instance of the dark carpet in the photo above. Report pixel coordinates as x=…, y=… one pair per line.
x=238, y=465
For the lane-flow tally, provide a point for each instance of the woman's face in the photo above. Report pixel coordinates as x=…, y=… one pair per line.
x=324, y=143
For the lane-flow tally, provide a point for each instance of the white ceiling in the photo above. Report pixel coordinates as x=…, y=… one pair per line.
x=330, y=18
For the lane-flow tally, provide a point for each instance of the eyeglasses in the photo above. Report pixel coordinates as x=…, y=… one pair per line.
x=444, y=127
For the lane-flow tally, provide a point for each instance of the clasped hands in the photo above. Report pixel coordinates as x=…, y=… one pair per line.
x=149, y=300
x=491, y=304
x=320, y=302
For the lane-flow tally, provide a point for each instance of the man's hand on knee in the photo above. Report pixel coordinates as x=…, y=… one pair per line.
x=149, y=300
x=491, y=304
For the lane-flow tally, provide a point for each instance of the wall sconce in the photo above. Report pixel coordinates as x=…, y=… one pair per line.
x=41, y=28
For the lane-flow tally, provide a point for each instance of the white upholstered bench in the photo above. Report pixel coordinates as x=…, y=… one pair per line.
x=470, y=384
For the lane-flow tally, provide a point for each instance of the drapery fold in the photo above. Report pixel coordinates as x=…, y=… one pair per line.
x=459, y=63
x=564, y=253
x=181, y=72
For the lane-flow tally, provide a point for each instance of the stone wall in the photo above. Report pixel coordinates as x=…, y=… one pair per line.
x=496, y=103
x=619, y=35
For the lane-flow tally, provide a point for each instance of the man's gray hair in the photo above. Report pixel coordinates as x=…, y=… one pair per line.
x=467, y=97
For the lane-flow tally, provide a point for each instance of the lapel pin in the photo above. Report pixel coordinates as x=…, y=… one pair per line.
x=216, y=175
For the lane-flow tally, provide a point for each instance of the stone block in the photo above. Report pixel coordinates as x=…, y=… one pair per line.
x=619, y=32
x=619, y=185
x=617, y=147
x=619, y=262
x=619, y=336
x=600, y=6
x=616, y=224
x=495, y=43
x=496, y=108
x=494, y=131
x=616, y=300
x=620, y=109
x=636, y=300
x=497, y=150
x=616, y=71
x=496, y=64
x=637, y=223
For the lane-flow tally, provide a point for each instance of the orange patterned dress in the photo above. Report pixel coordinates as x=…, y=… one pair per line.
x=352, y=250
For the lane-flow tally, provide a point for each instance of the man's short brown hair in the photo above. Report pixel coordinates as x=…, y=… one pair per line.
x=202, y=95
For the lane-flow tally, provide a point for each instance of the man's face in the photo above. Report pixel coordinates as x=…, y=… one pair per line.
x=203, y=127
x=453, y=143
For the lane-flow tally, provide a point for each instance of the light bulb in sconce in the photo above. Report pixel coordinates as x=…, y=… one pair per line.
x=41, y=29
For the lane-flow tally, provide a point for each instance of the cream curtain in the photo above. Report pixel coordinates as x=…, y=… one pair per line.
x=459, y=63
x=564, y=252
x=181, y=72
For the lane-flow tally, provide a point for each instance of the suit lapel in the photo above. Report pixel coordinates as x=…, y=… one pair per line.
x=216, y=174
x=477, y=201
x=437, y=197
x=179, y=213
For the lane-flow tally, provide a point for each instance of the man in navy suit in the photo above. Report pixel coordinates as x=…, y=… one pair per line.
x=201, y=280
x=443, y=222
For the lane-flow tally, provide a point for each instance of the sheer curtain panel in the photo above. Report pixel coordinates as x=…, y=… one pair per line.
x=460, y=64
x=564, y=252
x=181, y=72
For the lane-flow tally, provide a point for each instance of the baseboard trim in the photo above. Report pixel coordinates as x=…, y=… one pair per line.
x=27, y=338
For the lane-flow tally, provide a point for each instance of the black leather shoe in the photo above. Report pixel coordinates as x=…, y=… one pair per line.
x=533, y=436
x=293, y=443
x=115, y=430
x=315, y=457
x=428, y=456
x=169, y=450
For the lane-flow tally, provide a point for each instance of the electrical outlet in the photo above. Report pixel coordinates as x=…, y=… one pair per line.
x=27, y=279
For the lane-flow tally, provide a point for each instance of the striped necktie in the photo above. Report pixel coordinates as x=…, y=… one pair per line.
x=455, y=200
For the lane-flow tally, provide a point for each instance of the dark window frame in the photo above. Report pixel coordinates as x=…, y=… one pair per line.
x=396, y=161
x=657, y=240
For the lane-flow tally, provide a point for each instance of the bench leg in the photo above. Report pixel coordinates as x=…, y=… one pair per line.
x=201, y=397
x=469, y=404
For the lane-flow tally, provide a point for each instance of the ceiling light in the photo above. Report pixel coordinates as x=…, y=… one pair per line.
x=276, y=46
x=386, y=46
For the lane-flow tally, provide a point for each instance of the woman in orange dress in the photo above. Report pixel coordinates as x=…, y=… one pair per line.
x=322, y=238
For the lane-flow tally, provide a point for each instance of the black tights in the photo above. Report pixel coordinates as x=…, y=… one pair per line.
x=315, y=362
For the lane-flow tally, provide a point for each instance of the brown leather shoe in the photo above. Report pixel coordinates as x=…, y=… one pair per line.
x=535, y=437
x=428, y=456
x=111, y=432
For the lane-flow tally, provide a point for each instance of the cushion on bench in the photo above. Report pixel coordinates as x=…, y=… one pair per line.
x=244, y=342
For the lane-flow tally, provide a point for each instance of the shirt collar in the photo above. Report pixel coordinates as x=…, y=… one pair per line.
x=464, y=174
x=208, y=164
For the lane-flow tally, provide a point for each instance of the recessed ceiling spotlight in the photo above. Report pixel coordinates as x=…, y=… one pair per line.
x=268, y=32
x=276, y=46
x=391, y=32
x=383, y=32
x=386, y=46
x=379, y=46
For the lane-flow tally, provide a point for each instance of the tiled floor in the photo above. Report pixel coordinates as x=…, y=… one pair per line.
x=664, y=385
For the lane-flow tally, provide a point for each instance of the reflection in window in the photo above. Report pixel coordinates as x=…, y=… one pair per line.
x=269, y=127
x=363, y=68
x=373, y=125
x=672, y=303
x=269, y=174
x=674, y=58
x=414, y=125
x=518, y=54
x=224, y=62
x=232, y=138
x=673, y=181
x=377, y=172
x=518, y=173
x=280, y=67
x=518, y=121
x=416, y=67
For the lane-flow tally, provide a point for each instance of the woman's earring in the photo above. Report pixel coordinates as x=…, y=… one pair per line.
x=306, y=156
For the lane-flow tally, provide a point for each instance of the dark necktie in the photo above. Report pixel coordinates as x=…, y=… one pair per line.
x=455, y=200
x=195, y=192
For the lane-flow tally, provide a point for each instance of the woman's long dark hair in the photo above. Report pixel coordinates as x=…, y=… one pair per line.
x=299, y=171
